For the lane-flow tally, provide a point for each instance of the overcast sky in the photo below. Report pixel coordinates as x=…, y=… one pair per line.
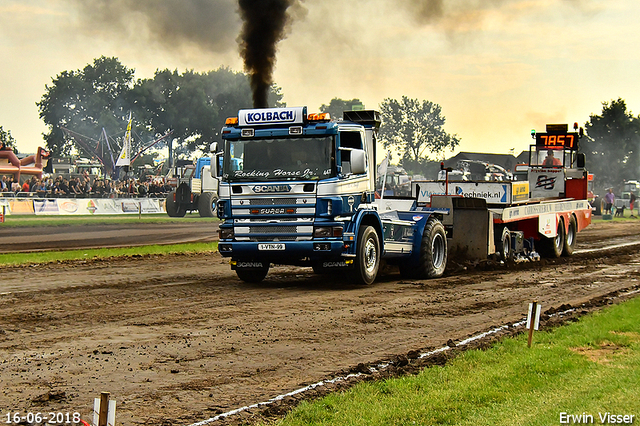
x=498, y=68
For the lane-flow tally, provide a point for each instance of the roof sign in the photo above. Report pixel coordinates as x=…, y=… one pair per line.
x=272, y=116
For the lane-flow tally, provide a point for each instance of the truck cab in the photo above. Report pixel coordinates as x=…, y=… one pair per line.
x=295, y=185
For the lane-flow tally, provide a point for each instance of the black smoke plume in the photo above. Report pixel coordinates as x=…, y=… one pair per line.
x=210, y=25
x=264, y=23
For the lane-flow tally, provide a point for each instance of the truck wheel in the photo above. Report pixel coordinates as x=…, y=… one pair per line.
x=207, y=203
x=504, y=246
x=552, y=247
x=252, y=275
x=433, y=250
x=367, y=256
x=571, y=237
x=433, y=253
x=174, y=208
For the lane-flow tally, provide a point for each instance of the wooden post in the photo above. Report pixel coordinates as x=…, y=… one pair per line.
x=533, y=319
x=533, y=309
x=104, y=409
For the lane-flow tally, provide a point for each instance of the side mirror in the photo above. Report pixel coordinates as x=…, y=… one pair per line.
x=358, y=162
x=213, y=147
x=215, y=166
x=581, y=160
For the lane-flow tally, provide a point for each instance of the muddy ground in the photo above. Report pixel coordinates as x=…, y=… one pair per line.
x=179, y=339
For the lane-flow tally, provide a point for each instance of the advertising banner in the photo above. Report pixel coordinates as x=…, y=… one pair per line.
x=82, y=206
x=494, y=192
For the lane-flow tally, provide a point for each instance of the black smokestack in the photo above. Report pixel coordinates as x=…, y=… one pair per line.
x=264, y=23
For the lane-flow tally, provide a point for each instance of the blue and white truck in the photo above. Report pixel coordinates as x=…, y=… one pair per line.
x=299, y=189
x=194, y=187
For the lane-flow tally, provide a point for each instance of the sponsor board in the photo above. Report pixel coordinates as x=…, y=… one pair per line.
x=493, y=192
x=548, y=225
x=129, y=206
x=271, y=116
x=46, y=207
x=519, y=191
x=546, y=182
x=107, y=206
x=149, y=205
x=538, y=210
x=82, y=206
x=21, y=207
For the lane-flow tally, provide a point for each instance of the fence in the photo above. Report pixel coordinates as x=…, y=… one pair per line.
x=28, y=204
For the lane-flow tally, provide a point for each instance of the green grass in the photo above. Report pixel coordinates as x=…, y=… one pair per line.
x=56, y=256
x=508, y=384
x=31, y=220
x=63, y=255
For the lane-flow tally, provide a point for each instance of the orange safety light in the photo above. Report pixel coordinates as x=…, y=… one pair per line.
x=231, y=121
x=325, y=116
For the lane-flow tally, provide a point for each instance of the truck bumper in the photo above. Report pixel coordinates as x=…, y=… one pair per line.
x=283, y=253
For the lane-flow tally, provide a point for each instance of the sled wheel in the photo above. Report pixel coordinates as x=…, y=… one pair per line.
x=552, y=247
x=571, y=237
x=504, y=246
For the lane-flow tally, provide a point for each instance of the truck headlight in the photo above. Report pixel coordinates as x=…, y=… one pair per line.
x=327, y=231
x=225, y=233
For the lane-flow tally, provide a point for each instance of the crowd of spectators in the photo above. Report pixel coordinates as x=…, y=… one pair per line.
x=84, y=186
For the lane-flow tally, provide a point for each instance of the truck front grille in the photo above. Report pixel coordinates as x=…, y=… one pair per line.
x=271, y=202
x=272, y=229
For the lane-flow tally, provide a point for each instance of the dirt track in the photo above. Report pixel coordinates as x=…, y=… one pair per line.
x=179, y=339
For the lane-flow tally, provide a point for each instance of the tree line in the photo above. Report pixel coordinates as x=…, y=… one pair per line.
x=80, y=106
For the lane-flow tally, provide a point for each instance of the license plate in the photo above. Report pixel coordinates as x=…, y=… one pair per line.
x=271, y=246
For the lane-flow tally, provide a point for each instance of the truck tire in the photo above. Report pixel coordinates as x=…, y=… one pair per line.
x=433, y=253
x=433, y=250
x=367, y=256
x=252, y=275
x=207, y=203
x=174, y=208
x=553, y=247
x=571, y=237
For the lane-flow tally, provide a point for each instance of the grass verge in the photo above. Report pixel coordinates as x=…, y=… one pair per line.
x=23, y=220
x=587, y=368
x=15, y=259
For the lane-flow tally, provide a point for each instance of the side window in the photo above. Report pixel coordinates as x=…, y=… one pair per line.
x=349, y=140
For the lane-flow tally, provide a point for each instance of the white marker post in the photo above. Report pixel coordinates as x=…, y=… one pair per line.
x=533, y=319
x=104, y=411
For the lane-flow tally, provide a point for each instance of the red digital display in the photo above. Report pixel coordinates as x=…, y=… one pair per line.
x=557, y=141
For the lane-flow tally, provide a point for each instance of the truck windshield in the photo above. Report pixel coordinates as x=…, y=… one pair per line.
x=279, y=159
